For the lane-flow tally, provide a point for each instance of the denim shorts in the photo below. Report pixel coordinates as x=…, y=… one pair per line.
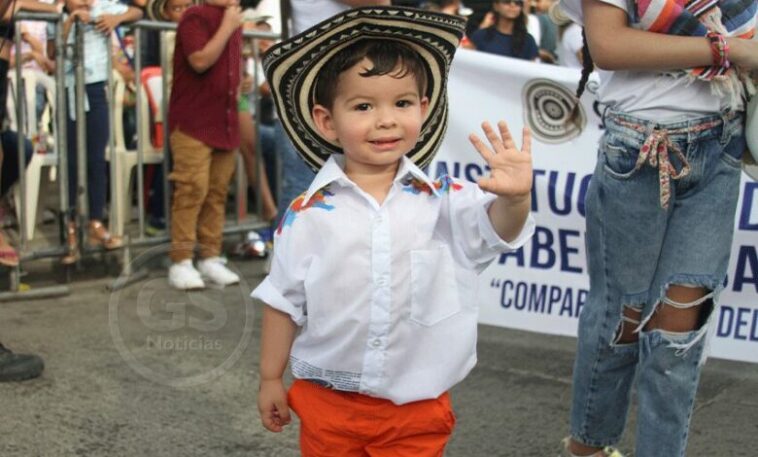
x=660, y=211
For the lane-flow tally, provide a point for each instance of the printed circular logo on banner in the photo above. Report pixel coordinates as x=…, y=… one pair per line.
x=548, y=112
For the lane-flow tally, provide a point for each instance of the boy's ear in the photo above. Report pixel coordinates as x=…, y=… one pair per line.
x=323, y=119
x=424, y=106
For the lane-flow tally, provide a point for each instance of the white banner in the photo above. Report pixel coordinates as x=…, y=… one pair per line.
x=543, y=286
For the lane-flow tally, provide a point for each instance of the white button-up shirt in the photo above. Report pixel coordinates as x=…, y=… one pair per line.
x=384, y=294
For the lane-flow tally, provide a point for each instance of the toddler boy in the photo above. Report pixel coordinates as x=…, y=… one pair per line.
x=370, y=295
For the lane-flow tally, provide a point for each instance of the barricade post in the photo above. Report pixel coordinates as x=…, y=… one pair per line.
x=26, y=253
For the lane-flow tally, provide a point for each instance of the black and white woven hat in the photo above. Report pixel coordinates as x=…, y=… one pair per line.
x=293, y=65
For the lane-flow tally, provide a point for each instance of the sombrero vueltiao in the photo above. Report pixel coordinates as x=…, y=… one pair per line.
x=292, y=66
x=154, y=9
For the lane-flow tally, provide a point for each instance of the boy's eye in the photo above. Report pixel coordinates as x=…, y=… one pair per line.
x=403, y=103
x=362, y=107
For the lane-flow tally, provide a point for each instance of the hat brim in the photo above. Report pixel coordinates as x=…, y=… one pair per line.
x=292, y=67
x=154, y=10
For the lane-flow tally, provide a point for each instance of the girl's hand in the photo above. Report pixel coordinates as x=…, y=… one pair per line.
x=510, y=168
x=272, y=405
x=106, y=23
x=83, y=16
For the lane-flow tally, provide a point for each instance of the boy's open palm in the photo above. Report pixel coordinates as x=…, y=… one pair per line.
x=272, y=405
x=510, y=168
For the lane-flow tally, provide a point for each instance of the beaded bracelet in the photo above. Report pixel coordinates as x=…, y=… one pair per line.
x=719, y=50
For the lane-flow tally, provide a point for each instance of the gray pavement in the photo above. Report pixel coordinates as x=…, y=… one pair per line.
x=138, y=372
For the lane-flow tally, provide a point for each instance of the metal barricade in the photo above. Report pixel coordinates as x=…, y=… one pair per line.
x=76, y=53
x=22, y=122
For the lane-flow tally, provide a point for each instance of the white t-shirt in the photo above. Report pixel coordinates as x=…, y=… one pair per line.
x=307, y=13
x=569, y=46
x=533, y=27
x=647, y=94
x=384, y=295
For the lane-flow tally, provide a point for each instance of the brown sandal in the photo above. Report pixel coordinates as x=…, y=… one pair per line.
x=100, y=236
x=72, y=243
x=8, y=255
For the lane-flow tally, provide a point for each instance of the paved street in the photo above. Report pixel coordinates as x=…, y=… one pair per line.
x=147, y=371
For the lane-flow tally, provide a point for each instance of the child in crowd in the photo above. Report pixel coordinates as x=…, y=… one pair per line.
x=168, y=11
x=660, y=210
x=204, y=133
x=99, y=19
x=371, y=290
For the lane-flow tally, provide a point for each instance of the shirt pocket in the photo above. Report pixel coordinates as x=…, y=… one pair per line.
x=434, y=290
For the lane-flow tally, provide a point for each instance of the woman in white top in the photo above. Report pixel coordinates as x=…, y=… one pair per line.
x=660, y=210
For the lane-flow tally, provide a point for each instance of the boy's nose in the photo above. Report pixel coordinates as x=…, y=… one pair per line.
x=385, y=119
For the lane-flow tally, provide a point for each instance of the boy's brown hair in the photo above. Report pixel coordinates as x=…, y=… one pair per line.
x=388, y=57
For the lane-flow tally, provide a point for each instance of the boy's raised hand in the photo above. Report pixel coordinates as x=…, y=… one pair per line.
x=510, y=168
x=272, y=405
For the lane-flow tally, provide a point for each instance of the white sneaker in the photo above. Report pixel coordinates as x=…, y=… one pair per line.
x=214, y=270
x=183, y=276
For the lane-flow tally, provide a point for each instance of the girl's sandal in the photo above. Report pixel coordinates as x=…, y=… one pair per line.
x=100, y=236
x=8, y=255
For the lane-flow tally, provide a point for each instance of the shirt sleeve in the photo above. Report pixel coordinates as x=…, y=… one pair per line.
x=472, y=237
x=531, y=51
x=193, y=33
x=284, y=287
x=477, y=38
x=50, y=28
x=573, y=8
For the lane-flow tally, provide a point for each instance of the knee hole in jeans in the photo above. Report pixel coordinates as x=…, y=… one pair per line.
x=630, y=320
x=683, y=309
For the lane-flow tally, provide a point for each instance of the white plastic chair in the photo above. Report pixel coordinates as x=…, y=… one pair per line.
x=126, y=159
x=36, y=130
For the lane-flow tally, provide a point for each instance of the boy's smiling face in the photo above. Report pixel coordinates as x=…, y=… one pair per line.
x=375, y=119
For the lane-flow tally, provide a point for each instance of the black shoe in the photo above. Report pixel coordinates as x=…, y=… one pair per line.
x=19, y=367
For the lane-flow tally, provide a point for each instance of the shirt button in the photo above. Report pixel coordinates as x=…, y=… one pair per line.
x=381, y=282
x=376, y=343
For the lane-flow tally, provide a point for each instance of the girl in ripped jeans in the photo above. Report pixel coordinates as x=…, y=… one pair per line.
x=660, y=210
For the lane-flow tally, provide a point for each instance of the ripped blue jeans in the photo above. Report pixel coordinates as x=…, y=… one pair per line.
x=660, y=211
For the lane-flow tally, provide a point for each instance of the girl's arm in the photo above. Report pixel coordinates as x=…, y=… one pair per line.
x=106, y=23
x=616, y=46
x=83, y=16
x=31, y=5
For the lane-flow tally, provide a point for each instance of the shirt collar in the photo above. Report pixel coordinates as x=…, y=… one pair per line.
x=407, y=167
x=333, y=171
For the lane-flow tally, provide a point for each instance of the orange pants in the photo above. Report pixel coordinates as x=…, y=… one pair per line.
x=346, y=424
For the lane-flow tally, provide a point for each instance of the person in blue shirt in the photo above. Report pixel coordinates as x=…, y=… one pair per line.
x=507, y=36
